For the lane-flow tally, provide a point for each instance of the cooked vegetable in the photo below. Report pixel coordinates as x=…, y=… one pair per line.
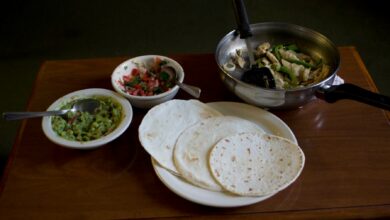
x=290, y=67
x=289, y=73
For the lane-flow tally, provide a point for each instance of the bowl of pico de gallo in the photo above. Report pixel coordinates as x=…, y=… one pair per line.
x=147, y=80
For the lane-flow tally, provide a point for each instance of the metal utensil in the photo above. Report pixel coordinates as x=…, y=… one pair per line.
x=258, y=76
x=83, y=105
x=192, y=90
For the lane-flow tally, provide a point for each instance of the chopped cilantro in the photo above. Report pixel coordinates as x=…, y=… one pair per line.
x=164, y=76
x=133, y=82
x=163, y=62
x=157, y=90
x=293, y=47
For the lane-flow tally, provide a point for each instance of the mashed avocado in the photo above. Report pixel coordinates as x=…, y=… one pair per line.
x=83, y=126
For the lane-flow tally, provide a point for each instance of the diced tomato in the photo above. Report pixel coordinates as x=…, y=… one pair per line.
x=120, y=82
x=138, y=86
x=145, y=77
x=153, y=84
x=134, y=72
x=143, y=81
x=127, y=78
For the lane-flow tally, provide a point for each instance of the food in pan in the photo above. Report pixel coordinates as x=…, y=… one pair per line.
x=290, y=67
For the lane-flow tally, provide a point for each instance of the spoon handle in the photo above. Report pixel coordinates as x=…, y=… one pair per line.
x=23, y=115
x=192, y=90
x=242, y=19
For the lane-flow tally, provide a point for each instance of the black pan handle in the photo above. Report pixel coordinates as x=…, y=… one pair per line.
x=349, y=91
x=242, y=19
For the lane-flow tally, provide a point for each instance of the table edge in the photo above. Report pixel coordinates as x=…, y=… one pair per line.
x=20, y=131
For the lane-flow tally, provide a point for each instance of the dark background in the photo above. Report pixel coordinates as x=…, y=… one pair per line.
x=34, y=31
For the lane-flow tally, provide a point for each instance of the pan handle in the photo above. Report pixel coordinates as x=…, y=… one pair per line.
x=349, y=91
x=242, y=19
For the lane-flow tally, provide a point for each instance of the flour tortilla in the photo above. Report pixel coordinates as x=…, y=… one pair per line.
x=255, y=164
x=163, y=124
x=192, y=149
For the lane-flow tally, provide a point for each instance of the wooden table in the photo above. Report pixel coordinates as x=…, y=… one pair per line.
x=346, y=175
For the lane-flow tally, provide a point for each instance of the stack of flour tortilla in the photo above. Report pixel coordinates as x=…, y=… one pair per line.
x=219, y=152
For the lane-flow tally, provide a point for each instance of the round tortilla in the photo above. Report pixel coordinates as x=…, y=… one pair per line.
x=163, y=124
x=255, y=164
x=192, y=149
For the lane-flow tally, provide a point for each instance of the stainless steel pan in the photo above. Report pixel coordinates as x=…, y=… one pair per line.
x=310, y=42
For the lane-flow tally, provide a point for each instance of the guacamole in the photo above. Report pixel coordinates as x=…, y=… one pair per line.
x=83, y=126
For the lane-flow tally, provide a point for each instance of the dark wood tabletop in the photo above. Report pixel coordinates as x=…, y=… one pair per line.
x=346, y=144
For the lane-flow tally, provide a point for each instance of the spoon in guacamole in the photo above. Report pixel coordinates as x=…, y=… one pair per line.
x=82, y=105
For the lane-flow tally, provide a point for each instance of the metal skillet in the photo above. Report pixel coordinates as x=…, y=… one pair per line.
x=310, y=42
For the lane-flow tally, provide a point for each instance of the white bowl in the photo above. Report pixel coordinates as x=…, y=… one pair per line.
x=145, y=101
x=127, y=115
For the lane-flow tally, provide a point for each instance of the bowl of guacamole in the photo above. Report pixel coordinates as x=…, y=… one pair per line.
x=85, y=130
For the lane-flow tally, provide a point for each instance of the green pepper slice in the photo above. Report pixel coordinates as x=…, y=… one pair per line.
x=290, y=74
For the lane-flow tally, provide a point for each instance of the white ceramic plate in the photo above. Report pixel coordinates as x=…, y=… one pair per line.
x=270, y=124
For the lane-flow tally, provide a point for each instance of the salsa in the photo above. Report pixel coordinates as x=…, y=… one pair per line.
x=149, y=80
x=83, y=126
